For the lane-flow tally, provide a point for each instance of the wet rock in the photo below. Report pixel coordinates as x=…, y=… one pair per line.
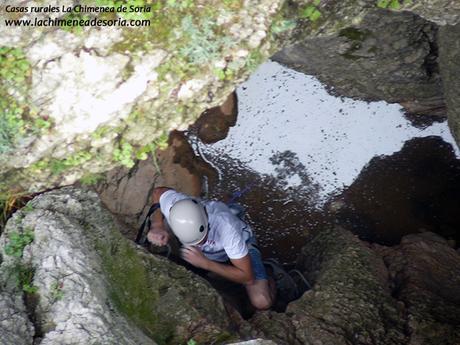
x=350, y=302
x=426, y=277
x=387, y=55
x=92, y=285
x=213, y=125
x=449, y=52
x=413, y=190
x=181, y=168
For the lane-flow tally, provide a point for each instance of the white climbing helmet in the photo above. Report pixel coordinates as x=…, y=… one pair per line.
x=189, y=221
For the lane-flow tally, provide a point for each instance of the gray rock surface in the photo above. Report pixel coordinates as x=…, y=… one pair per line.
x=350, y=302
x=94, y=286
x=441, y=12
x=387, y=55
x=449, y=53
x=15, y=327
x=82, y=100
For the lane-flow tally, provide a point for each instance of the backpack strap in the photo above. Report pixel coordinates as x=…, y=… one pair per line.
x=141, y=238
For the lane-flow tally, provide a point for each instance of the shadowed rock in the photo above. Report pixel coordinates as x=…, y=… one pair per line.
x=388, y=55
x=350, y=302
x=426, y=277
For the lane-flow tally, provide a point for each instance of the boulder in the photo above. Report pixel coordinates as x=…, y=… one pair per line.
x=350, y=302
x=425, y=273
x=84, y=283
x=386, y=55
x=449, y=53
x=213, y=125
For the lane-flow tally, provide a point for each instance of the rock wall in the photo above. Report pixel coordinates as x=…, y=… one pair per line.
x=350, y=302
x=82, y=100
x=390, y=51
x=449, y=52
x=388, y=55
x=425, y=273
x=83, y=282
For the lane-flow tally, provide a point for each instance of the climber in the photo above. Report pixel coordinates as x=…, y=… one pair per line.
x=212, y=236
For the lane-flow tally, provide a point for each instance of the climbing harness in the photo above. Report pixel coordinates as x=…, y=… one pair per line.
x=141, y=237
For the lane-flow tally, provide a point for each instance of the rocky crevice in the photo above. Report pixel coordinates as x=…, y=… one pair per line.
x=94, y=285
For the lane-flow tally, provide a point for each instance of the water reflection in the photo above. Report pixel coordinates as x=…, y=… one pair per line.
x=298, y=147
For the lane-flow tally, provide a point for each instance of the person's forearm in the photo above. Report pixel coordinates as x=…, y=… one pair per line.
x=230, y=272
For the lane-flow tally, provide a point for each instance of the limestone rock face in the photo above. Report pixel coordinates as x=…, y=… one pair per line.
x=350, y=302
x=426, y=275
x=85, y=283
x=15, y=327
x=82, y=100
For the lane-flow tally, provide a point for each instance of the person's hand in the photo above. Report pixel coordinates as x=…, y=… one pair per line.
x=194, y=256
x=158, y=236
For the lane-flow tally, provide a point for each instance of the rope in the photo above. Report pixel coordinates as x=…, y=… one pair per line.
x=238, y=194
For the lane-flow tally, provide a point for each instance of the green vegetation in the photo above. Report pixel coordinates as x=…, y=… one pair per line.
x=254, y=59
x=17, y=115
x=136, y=3
x=101, y=132
x=56, y=291
x=311, y=11
x=28, y=207
x=124, y=154
x=22, y=274
x=15, y=72
x=91, y=179
x=75, y=29
x=10, y=202
x=393, y=4
x=129, y=282
x=283, y=25
x=17, y=242
x=57, y=166
x=355, y=34
x=202, y=43
x=179, y=4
